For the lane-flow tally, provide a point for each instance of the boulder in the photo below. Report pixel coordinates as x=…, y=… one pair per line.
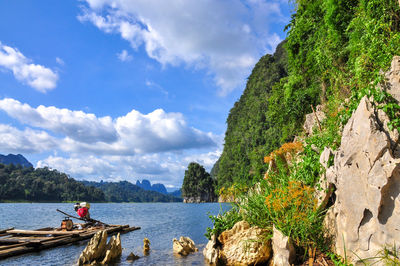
x=95, y=249
x=113, y=249
x=283, y=249
x=244, y=245
x=311, y=121
x=366, y=174
x=211, y=251
x=184, y=246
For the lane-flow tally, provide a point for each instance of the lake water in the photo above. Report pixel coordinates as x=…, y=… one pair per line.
x=159, y=222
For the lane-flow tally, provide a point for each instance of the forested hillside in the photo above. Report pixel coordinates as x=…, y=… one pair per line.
x=42, y=184
x=125, y=191
x=339, y=55
x=250, y=133
x=333, y=49
x=19, y=183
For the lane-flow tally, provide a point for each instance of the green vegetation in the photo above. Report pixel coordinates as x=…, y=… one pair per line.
x=127, y=192
x=336, y=50
x=43, y=185
x=198, y=183
x=18, y=184
x=250, y=133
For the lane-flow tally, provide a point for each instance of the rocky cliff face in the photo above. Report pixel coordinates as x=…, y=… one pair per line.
x=366, y=173
x=205, y=197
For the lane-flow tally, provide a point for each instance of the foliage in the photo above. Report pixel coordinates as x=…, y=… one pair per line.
x=125, y=191
x=285, y=150
x=42, y=184
x=285, y=198
x=223, y=222
x=197, y=182
x=231, y=193
x=336, y=50
x=248, y=136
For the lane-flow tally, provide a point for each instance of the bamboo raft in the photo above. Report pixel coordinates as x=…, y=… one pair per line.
x=15, y=242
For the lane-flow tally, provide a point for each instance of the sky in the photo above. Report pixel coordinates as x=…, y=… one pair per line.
x=127, y=90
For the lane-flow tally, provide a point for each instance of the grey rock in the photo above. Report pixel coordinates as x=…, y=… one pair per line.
x=211, y=251
x=311, y=121
x=365, y=216
x=393, y=78
x=283, y=249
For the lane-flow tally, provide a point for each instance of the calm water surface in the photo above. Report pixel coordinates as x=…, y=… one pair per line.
x=160, y=222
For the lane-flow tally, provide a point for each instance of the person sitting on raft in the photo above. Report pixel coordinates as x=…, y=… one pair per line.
x=82, y=209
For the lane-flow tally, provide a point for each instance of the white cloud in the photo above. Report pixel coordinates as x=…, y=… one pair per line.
x=133, y=133
x=80, y=126
x=124, y=56
x=60, y=61
x=205, y=159
x=224, y=37
x=13, y=140
x=39, y=77
x=167, y=168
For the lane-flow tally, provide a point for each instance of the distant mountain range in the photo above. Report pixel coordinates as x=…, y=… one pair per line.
x=113, y=191
x=125, y=191
x=158, y=187
x=15, y=159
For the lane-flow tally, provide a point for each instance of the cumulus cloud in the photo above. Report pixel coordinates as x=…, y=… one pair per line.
x=206, y=159
x=13, y=140
x=39, y=77
x=224, y=37
x=77, y=125
x=133, y=133
x=167, y=168
x=124, y=56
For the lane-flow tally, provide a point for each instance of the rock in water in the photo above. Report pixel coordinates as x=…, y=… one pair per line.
x=132, y=257
x=365, y=217
x=284, y=251
x=244, y=245
x=146, y=246
x=184, y=246
x=114, y=249
x=95, y=249
x=211, y=251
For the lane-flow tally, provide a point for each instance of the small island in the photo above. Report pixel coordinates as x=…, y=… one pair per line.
x=198, y=186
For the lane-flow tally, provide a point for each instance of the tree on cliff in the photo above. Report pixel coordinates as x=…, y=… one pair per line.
x=198, y=183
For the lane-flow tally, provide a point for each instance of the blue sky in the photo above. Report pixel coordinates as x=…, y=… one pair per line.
x=126, y=90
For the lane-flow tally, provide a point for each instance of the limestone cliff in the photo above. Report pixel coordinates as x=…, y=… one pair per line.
x=365, y=217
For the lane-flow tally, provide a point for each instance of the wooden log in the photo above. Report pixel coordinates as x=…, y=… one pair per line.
x=63, y=240
x=5, y=230
x=34, y=232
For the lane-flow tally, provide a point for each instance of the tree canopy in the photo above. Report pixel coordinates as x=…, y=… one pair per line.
x=42, y=184
x=197, y=182
x=334, y=50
